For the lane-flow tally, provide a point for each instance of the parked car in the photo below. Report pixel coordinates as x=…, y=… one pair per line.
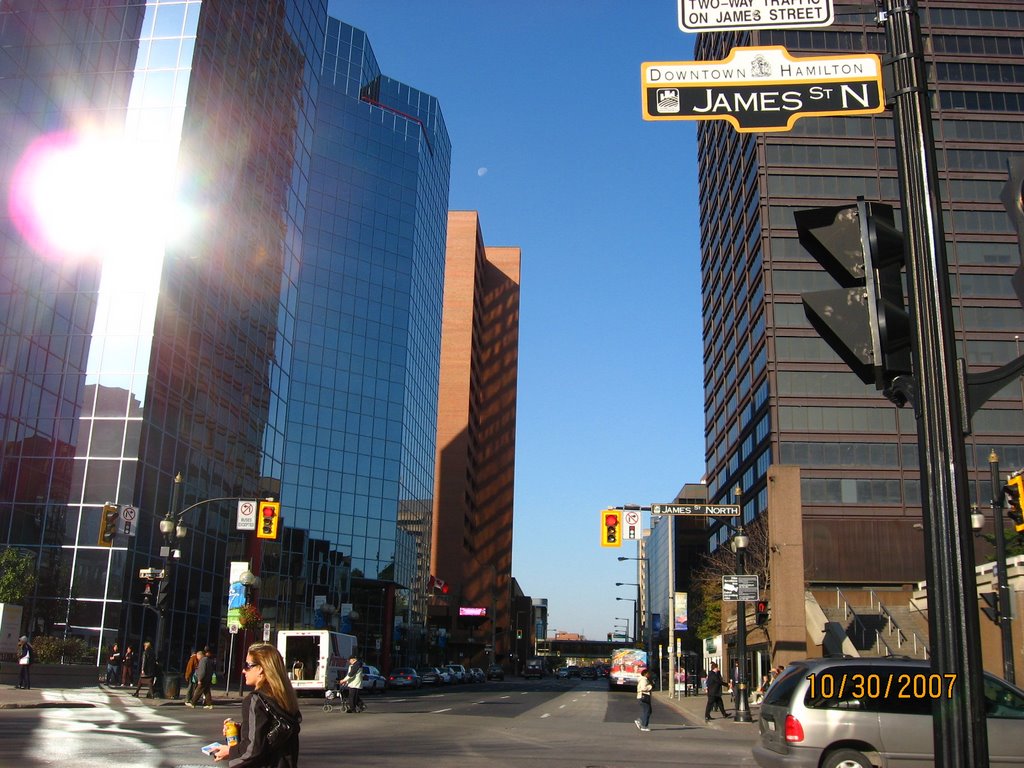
x=837, y=712
x=429, y=676
x=495, y=672
x=476, y=675
x=458, y=673
x=588, y=673
x=373, y=680
x=446, y=675
x=404, y=677
x=562, y=673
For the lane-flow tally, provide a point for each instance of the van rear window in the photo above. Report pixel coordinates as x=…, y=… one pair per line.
x=781, y=691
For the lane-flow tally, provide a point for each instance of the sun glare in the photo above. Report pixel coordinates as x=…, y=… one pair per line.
x=86, y=195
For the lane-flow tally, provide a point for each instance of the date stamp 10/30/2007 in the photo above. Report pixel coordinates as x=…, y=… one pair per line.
x=902, y=685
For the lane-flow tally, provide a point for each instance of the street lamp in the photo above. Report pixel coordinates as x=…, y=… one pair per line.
x=635, y=626
x=617, y=627
x=637, y=606
x=643, y=601
x=740, y=542
x=172, y=529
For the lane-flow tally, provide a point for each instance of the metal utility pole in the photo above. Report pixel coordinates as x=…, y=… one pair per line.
x=960, y=733
x=1005, y=628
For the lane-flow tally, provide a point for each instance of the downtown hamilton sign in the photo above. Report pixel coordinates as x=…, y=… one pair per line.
x=762, y=89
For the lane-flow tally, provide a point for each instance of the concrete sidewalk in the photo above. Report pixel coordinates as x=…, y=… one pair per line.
x=16, y=698
x=691, y=708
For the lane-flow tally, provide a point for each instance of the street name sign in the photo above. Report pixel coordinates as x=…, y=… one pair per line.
x=696, y=510
x=736, y=587
x=724, y=15
x=762, y=89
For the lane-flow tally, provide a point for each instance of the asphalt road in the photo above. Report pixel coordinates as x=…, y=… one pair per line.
x=547, y=724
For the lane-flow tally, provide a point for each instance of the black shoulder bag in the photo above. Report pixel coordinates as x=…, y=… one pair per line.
x=282, y=725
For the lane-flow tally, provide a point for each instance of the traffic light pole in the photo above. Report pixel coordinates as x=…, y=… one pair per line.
x=960, y=733
x=164, y=587
x=1005, y=628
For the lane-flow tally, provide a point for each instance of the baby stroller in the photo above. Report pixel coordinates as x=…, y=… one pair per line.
x=339, y=697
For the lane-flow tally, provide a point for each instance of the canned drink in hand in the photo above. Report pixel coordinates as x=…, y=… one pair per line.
x=231, y=733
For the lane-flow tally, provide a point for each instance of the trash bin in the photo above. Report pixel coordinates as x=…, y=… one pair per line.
x=172, y=686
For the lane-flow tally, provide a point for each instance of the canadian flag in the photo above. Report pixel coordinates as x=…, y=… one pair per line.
x=438, y=584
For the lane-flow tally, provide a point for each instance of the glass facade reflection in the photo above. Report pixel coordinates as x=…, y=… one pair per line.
x=362, y=416
x=774, y=390
x=243, y=287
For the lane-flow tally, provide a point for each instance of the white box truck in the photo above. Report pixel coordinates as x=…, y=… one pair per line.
x=315, y=658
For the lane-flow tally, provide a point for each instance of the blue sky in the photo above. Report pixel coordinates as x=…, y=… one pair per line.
x=542, y=103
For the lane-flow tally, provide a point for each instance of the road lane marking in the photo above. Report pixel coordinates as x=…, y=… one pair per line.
x=439, y=711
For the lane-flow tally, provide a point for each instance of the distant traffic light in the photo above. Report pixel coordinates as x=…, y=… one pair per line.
x=268, y=519
x=108, y=525
x=761, y=613
x=611, y=528
x=865, y=321
x=1014, y=490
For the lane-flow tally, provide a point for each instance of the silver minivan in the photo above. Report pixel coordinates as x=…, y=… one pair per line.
x=859, y=713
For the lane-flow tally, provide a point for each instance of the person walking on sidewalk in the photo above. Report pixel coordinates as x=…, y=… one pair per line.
x=26, y=658
x=147, y=671
x=190, y=673
x=644, y=688
x=114, y=665
x=714, y=684
x=204, y=679
x=127, y=666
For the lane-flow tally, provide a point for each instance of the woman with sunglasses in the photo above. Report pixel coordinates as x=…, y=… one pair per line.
x=269, y=733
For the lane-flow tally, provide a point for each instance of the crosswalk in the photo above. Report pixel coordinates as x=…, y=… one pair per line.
x=109, y=728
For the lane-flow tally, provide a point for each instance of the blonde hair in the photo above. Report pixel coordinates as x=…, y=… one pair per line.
x=275, y=682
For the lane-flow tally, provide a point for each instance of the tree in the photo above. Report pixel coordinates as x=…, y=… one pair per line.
x=17, y=575
x=707, y=576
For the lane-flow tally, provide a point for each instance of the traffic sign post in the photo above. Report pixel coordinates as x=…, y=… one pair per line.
x=762, y=89
x=737, y=588
x=725, y=15
x=697, y=510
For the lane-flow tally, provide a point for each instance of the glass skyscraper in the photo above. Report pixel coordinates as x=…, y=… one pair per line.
x=223, y=254
x=775, y=392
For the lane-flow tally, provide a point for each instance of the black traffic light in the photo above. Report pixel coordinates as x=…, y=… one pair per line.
x=991, y=606
x=761, y=612
x=1012, y=196
x=1014, y=491
x=866, y=320
x=108, y=524
x=163, y=592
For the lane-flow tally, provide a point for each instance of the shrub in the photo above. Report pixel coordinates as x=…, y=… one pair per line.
x=56, y=650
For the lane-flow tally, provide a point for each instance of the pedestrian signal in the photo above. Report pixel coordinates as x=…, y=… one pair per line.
x=611, y=528
x=761, y=613
x=268, y=519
